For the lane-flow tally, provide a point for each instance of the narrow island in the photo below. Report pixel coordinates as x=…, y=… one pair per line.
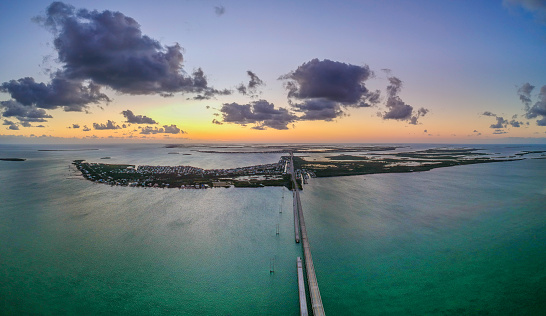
x=12, y=159
x=276, y=174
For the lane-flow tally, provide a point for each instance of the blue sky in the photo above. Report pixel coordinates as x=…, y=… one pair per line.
x=455, y=59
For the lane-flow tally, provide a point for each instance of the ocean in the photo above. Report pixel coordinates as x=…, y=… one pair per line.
x=463, y=240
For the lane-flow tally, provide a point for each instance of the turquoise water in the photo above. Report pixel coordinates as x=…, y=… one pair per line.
x=459, y=240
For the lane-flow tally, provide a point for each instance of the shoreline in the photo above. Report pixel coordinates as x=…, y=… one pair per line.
x=276, y=174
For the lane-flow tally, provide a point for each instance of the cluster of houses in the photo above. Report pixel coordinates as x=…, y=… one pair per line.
x=156, y=176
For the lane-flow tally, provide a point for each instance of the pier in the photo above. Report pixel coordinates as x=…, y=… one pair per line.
x=314, y=292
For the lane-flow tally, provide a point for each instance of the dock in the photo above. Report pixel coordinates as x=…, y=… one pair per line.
x=301, y=287
x=314, y=292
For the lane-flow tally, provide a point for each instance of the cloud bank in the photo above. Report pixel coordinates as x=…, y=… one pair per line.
x=103, y=49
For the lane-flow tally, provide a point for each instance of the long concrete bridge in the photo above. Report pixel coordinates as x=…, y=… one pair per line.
x=314, y=292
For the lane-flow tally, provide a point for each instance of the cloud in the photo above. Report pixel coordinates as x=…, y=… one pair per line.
x=86, y=129
x=72, y=95
x=499, y=131
x=219, y=10
x=210, y=93
x=261, y=113
x=11, y=125
x=318, y=109
x=515, y=123
x=394, y=87
x=330, y=80
x=166, y=129
x=137, y=119
x=397, y=109
x=215, y=121
x=501, y=123
x=23, y=113
x=524, y=93
x=538, y=109
x=536, y=7
x=108, y=125
x=109, y=49
x=420, y=112
x=252, y=86
x=323, y=89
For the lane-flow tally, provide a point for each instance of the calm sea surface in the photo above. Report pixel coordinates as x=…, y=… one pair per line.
x=451, y=241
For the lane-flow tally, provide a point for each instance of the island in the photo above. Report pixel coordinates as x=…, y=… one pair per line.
x=12, y=159
x=185, y=177
x=347, y=162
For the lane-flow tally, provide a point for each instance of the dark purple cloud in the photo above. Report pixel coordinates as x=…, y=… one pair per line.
x=524, y=93
x=72, y=95
x=538, y=109
x=252, y=86
x=109, y=48
x=420, y=112
x=323, y=89
x=137, y=119
x=166, y=129
x=210, y=93
x=23, y=113
x=515, y=123
x=108, y=125
x=397, y=109
x=11, y=125
x=318, y=109
x=75, y=125
x=330, y=80
x=501, y=123
x=261, y=113
x=86, y=129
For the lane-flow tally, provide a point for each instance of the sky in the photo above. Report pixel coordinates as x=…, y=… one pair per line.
x=273, y=71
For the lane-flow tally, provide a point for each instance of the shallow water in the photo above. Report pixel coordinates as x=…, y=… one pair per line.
x=460, y=240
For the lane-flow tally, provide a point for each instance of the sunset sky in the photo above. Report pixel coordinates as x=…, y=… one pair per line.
x=273, y=71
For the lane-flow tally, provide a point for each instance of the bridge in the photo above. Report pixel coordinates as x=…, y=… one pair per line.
x=314, y=292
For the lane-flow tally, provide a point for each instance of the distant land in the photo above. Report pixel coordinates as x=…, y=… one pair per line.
x=68, y=149
x=12, y=159
x=350, y=160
